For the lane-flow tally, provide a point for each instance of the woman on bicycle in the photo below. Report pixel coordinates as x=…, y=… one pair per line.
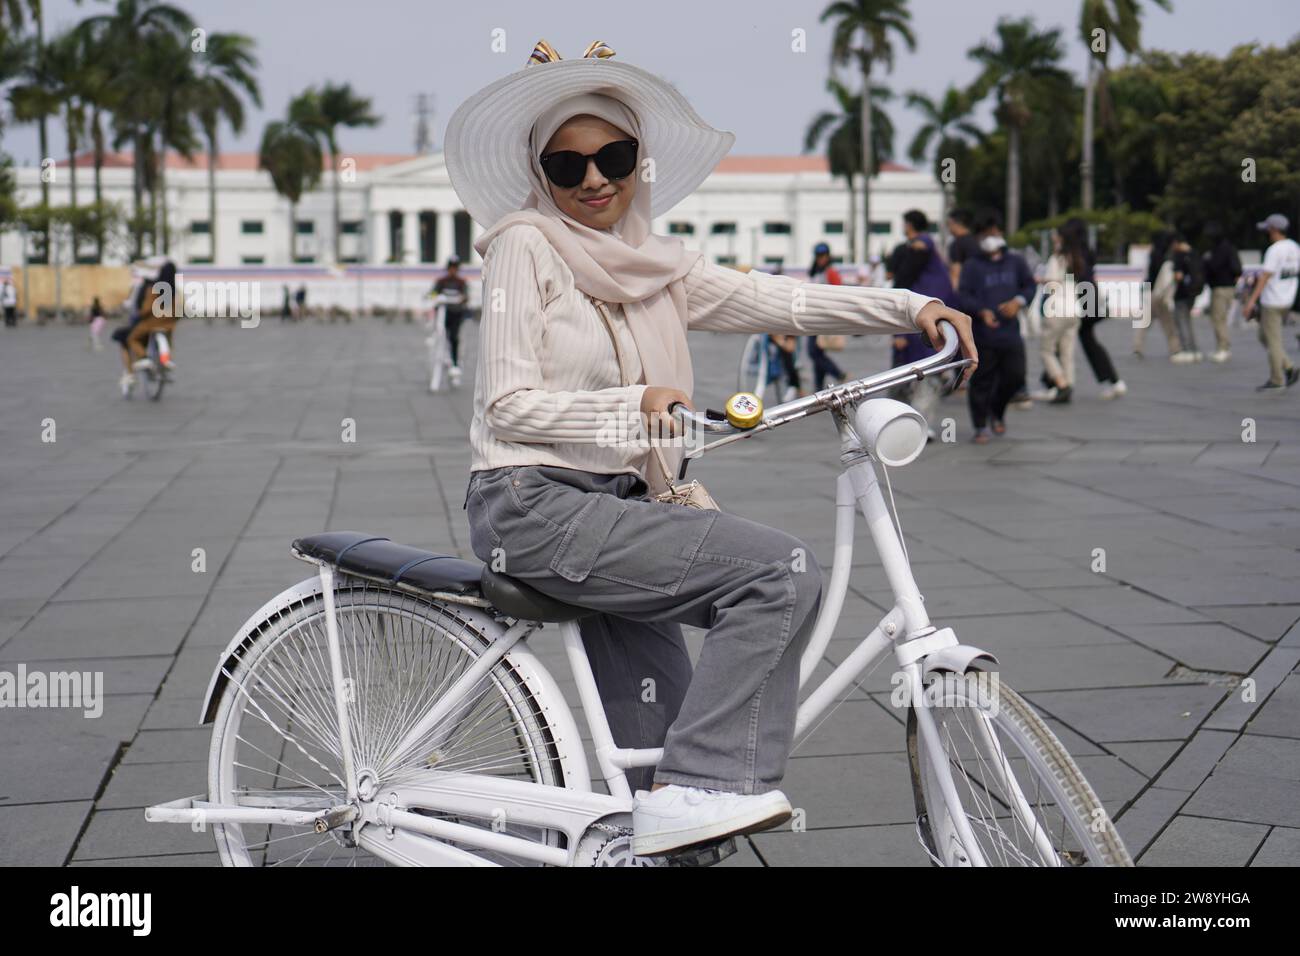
x=582, y=354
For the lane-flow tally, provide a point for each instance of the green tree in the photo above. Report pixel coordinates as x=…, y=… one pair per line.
x=863, y=36
x=842, y=132
x=322, y=112
x=291, y=154
x=225, y=77
x=946, y=124
x=1102, y=22
x=1021, y=69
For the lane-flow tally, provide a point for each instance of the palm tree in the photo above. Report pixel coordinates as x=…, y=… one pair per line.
x=1021, y=69
x=291, y=154
x=322, y=112
x=1120, y=20
x=945, y=123
x=124, y=39
x=225, y=72
x=842, y=131
x=878, y=21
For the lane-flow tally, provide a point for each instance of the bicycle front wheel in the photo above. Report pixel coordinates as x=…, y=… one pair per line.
x=276, y=741
x=1021, y=798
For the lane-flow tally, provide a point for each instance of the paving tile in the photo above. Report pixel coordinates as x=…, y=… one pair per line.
x=1195, y=841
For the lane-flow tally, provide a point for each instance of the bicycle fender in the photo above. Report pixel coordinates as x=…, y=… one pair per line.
x=958, y=659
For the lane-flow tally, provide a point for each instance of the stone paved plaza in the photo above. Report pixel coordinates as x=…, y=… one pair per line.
x=1136, y=668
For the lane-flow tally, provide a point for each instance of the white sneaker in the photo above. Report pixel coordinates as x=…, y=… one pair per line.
x=126, y=383
x=1114, y=390
x=454, y=374
x=674, y=817
x=1222, y=355
x=1198, y=356
x=1043, y=394
x=139, y=365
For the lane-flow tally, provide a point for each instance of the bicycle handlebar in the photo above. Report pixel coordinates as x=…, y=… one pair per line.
x=837, y=396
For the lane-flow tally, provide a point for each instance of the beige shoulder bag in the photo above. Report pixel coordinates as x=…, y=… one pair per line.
x=692, y=494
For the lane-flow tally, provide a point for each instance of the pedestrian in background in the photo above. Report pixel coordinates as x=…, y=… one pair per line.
x=963, y=247
x=1061, y=309
x=919, y=267
x=1103, y=369
x=1160, y=281
x=825, y=368
x=1275, y=292
x=995, y=286
x=451, y=286
x=97, y=323
x=9, y=302
x=1188, y=282
x=1222, y=268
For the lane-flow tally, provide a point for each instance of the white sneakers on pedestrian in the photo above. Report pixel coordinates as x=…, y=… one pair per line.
x=1183, y=358
x=454, y=374
x=1114, y=390
x=673, y=817
x=1221, y=356
x=140, y=364
x=126, y=383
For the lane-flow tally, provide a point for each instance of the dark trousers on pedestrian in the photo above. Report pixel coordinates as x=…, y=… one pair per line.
x=1000, y=375
x=454, y=319
x=823, y=364
x=1098, y=357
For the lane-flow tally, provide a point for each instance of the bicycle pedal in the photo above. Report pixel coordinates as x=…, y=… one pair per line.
x=702, y=854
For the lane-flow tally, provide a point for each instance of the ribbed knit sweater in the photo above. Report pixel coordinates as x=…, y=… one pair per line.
x=548, y=388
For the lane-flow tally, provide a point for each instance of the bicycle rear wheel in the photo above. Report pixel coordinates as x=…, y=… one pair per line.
x=275, y=737
x=1024, y=798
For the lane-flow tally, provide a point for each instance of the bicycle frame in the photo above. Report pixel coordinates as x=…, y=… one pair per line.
x=919, y=649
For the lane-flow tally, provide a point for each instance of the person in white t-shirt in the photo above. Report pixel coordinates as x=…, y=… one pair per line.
x=1275, y=293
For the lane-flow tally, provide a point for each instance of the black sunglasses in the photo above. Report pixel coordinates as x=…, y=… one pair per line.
x=567, y=168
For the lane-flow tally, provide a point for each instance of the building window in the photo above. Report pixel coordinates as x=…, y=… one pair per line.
x=460, y=231
x=726, y=260
x=773, y=263
x=428, y=236
x=681, y=229
x=833, y=227
x=253, y=260
x=200, y=227
x=350, y=227
x=200, y=260
x=306, y=227
x=776, y=228
x=251, y=227
x=304, y=260
x=349, y=260
x=723, y=229
x=880, y=228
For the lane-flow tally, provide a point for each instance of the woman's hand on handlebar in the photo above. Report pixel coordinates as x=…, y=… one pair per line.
x=656, y=407
x=927, y=320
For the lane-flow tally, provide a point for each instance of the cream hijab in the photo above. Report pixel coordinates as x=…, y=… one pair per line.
x=625, y=264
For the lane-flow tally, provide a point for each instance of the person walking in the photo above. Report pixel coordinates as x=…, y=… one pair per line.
x=919, y=268
x=451, y=286
x=1275, y=293
x=583, y=354
x=825, y=369
x=9, y=303
x=1103, y=369
x=97, y=323
x=963, y=247
x=995, y=286
x=1062, y=307
x=1222, y=268
x=1160, y=282
x=1188, y=283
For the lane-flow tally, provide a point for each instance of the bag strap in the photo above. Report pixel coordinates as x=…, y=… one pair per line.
x=623, y=377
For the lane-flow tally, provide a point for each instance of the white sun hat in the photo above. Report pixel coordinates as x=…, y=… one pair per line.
x=487, y=151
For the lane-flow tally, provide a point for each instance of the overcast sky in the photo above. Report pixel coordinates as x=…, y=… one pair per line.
x=731, y=58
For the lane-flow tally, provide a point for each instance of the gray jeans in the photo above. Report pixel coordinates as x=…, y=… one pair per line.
x=597, y=542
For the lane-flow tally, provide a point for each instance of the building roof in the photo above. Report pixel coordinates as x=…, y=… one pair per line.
x=370, y=161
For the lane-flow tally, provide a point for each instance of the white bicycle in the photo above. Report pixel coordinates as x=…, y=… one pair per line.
x=389, y=709
x=441, y=369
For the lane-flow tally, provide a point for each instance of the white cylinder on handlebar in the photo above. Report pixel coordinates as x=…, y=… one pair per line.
x=894, y=433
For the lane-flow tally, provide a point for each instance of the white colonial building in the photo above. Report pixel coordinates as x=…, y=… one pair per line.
x=762, y=211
